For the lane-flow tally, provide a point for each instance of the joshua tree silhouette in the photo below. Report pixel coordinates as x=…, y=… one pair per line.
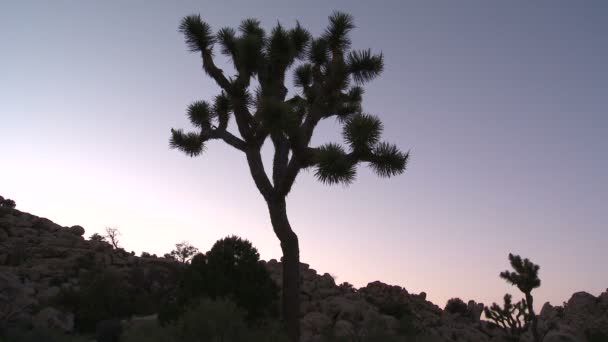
x=328, y=79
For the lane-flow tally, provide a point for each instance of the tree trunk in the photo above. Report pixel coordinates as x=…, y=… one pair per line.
x=291, y=267
x=533, y=319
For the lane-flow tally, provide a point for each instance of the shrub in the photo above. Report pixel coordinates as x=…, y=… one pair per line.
x=231, y=269
x=103, y=295
x=7, y=203
x=457, y=306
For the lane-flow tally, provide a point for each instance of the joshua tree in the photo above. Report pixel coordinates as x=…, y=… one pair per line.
x=526, y=279
x=513, y=318
x=183, y=252
x=328, y=83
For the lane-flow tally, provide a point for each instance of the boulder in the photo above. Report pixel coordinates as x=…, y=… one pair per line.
x=76, y=230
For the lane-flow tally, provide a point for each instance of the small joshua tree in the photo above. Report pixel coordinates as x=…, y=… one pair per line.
x=184, y=252
x=328, y=85
x=526, y=279
x=513, y=318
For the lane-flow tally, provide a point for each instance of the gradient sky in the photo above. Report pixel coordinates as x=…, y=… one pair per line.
x=503, y=105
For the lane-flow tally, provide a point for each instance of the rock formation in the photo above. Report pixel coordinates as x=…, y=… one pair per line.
x=39, y=259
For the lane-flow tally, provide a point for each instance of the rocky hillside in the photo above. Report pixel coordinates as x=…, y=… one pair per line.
x=40, y=261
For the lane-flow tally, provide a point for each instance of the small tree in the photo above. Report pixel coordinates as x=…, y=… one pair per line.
x=526, y=279
x=183, y=252
x=231, y=269
x=7, y=203
x=97, y=238
x=112, y=236
x=512, y=318
x=328, y=85
x=456, y=306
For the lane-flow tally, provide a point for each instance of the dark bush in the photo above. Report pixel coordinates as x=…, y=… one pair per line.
x=7, y=203
x=103, y=295
x=231, y=269
x=457, y=306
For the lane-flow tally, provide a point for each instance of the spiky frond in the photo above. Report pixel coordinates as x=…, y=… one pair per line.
x=525, y=276
x=355, y=94
x=200, y=114
x=280, y=48
x=319, y=52
x=222, y=108
x=364, y=66
x=300, y=38
x=387, y=160
x=198, y=34
x=190, y=143
x=333, y=165
x=340, y=25
x=226, y=36
x=251, y=26
x=362, y=132
x=302, y=76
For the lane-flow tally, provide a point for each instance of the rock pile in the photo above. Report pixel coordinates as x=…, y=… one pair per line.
x=39, y=259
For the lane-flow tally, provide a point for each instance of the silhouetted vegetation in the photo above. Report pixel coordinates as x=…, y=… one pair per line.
x=329, y=83
x=112, y=236
x=231, y=269
x=96, y=237
x=457, y=306
x=519, y=317
x=7, y=203
x=513, y=318
x=183, y=252
x=103, y=295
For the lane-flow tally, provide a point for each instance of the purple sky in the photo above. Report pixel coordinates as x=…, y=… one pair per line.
x=503, y=106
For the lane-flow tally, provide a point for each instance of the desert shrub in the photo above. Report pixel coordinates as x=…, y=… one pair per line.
x=231, y=269
x=207, y=320
x=103, y=295
x=7, y=203
x=457, y=306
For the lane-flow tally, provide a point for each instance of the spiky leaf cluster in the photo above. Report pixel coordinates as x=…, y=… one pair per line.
x=525, y=276
x=334, y=165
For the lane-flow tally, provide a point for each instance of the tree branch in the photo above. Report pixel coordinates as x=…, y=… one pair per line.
x=216, y=73
x=229, y=138
x=256, y=166
x=281, y=158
